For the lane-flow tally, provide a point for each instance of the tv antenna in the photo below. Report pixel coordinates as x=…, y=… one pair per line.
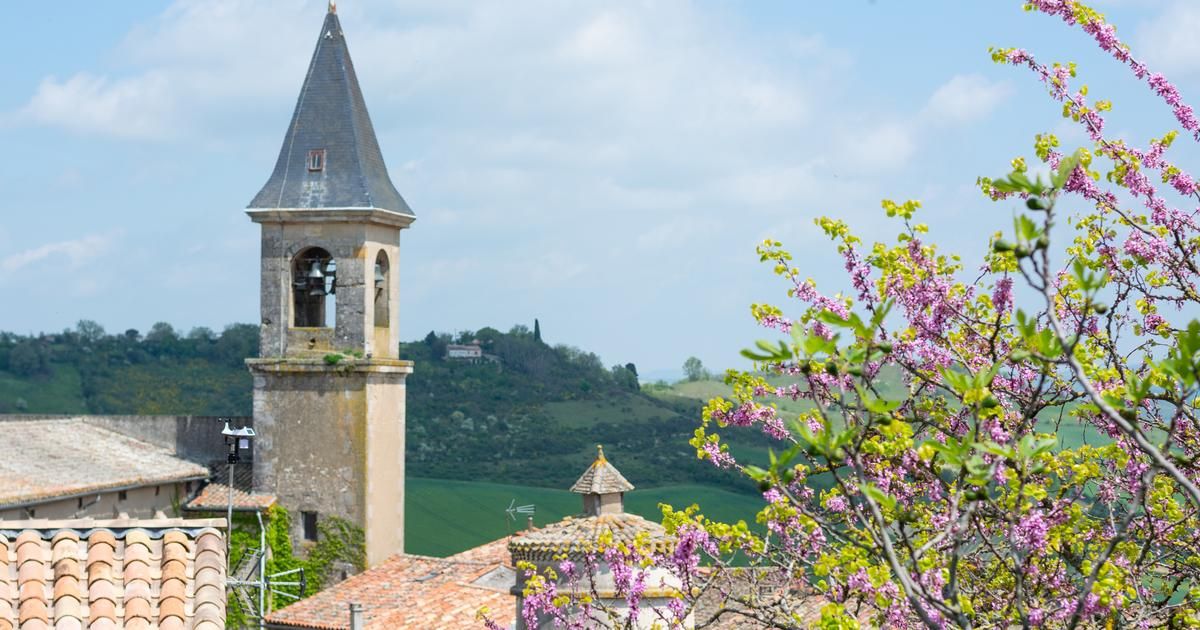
x=513, y=510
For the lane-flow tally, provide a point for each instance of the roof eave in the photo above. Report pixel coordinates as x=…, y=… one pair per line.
x=378, y=216
x=100, y=490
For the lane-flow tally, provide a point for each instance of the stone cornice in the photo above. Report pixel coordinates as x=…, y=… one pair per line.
x=319, y=366
x=374, y=216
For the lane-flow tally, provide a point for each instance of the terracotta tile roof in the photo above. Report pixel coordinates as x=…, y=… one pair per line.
x=575, y=534
x=414, y=592
x=112, y=575
x=61, y=458
x=601, y=478
x=214, y=497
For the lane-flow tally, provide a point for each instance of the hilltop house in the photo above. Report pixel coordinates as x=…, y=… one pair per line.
x=464, y=352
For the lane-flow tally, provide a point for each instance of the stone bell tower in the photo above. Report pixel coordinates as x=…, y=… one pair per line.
x=329, y=388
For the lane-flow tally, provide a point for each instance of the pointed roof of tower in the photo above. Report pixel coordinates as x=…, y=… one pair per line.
x=331, y=116
x=601, y=478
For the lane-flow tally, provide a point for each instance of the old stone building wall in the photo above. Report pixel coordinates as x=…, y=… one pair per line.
x=331, y=442
x=354, y=247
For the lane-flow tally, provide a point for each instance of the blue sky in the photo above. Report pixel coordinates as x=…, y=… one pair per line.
x=605, y=167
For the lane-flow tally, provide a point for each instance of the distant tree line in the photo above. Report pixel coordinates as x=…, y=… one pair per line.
x=163, y=371
x=561, y=368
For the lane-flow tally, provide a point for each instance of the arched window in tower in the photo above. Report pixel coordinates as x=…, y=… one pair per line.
x=314, y=285
x=383, y=287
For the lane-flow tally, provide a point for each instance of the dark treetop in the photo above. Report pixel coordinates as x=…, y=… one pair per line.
x=331, y=116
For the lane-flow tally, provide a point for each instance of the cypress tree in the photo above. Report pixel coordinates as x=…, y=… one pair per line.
x=537, y=330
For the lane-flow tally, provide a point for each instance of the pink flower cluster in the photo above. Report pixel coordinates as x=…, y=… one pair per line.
x=1106, y=37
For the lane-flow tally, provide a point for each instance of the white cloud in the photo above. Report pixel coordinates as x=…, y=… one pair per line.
x=678, y=233
x=879, y=147
x=622, y=68
x=965, y=98
x=772, y=186
x=1168, y=43
x=64, y=254
x=135, y=107
x=608, y=37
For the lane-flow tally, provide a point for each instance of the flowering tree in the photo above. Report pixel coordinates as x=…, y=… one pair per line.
x=937, y=477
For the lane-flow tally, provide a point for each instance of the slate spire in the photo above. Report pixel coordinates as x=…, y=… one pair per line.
x=330, y=156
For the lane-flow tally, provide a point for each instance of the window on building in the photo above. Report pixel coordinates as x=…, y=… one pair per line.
x=122, y=495
x=314, y=288
x=157, y=489
x=382, y=288
x=79, y=503
x=316, y=160
x=310, y=525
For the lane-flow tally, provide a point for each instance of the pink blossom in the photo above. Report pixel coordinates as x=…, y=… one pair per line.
x=1030, y=532
x=1002, y=297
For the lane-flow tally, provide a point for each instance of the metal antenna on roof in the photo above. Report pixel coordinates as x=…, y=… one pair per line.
x=248, y=579
x=513, y=510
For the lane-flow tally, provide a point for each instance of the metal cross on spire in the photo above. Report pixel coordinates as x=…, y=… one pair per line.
x=333, y=6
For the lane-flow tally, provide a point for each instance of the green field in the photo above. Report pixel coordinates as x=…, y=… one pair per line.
x=443, y=517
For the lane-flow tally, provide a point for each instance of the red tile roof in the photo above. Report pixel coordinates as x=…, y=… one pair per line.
x=112, y=575
x=414, y=592
x=575, y=535
x=214, y=497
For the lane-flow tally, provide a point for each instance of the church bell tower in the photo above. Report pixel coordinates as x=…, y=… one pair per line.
x=328, y=386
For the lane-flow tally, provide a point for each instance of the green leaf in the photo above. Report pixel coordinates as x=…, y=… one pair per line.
x=754, y=356
x=996, y=449
x=878, y=496
x=755, y=473
x=1066, y=166
x=833, y=319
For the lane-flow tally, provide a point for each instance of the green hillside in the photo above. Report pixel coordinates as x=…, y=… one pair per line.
x=59, y=391
x=444, y=517
x=530, y=415
x=87, y=371
x=534, y=415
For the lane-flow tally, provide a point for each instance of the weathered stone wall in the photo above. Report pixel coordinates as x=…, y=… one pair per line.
x=331, y=437
x=354, y=247
x=331, y=441
x=385, y=465
x=194, y=438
